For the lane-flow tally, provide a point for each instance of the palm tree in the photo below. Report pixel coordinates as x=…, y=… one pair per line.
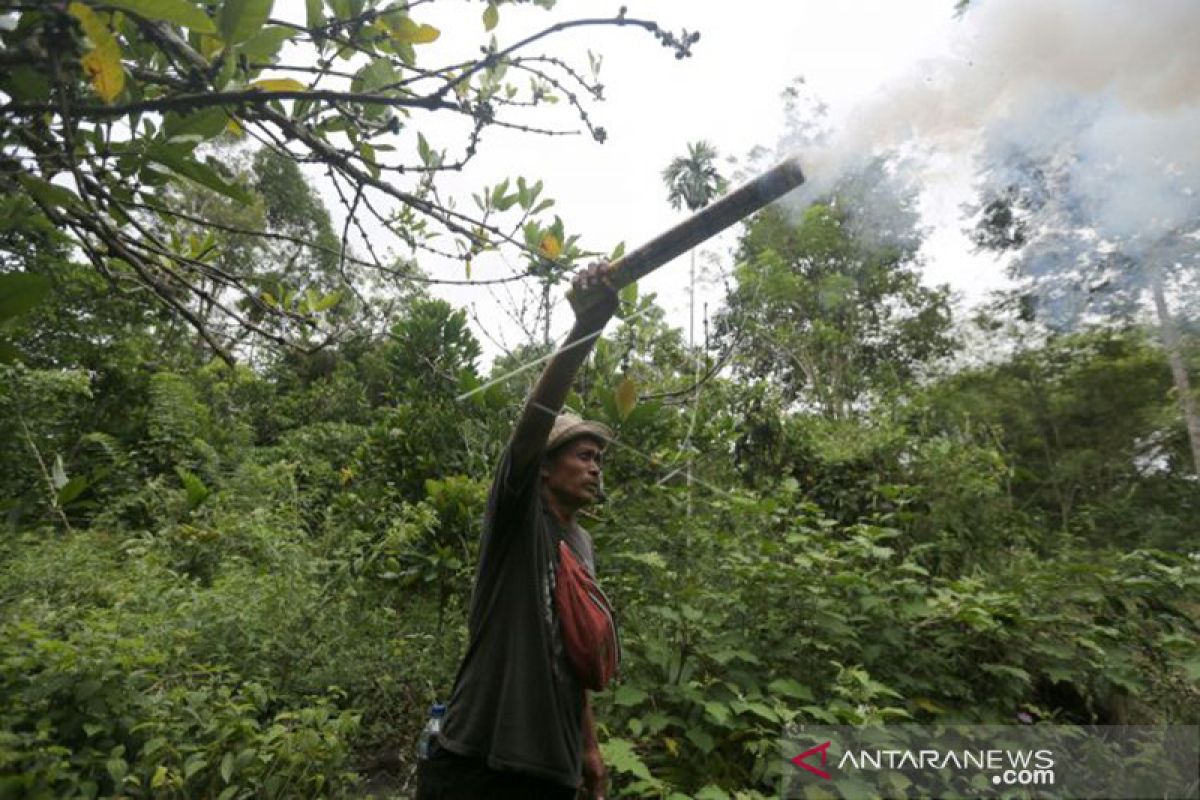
x=693, y=181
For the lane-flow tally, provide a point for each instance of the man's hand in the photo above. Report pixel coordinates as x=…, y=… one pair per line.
x=593, y=296
x=595, y=776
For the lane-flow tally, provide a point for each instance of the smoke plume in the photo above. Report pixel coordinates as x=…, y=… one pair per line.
x=1089, y=109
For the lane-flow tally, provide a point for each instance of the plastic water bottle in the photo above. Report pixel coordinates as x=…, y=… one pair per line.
x=428, y=739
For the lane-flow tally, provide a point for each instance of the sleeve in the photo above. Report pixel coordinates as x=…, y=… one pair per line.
x=511, y=496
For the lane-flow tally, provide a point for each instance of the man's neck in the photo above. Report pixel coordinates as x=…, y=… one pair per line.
x=564, y=514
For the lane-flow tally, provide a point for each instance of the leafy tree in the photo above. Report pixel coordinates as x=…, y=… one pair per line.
x=1099, y=236
x=693, y=180
x=1082, y=422
x=108, y=104
x=832, y=306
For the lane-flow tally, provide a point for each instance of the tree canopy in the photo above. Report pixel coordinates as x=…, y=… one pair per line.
x=252, y=579
x=110, y=107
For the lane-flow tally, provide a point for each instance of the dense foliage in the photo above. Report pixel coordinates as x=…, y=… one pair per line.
x=224, y=581
x=250, y=579
x=107, y=107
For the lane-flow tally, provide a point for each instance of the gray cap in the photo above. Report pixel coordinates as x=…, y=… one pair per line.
x=571, y=426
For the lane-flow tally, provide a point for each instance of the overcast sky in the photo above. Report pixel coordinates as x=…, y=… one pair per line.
x=728, y=93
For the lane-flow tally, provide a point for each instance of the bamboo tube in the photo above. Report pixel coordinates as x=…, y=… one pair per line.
x=706, y=223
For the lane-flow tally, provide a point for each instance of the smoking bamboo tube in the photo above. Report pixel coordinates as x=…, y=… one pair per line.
x=706, y=223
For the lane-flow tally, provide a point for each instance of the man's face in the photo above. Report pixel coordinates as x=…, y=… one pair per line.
x=574, y=474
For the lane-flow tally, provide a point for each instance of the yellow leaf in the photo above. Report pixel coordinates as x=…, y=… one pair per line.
x=626, y=395
x=92, y=25
x=408, y=32
x=234, y=126
x=103, y=63
x=491, y=16
x=551, y=247
x=279, y=85
x=103, y=66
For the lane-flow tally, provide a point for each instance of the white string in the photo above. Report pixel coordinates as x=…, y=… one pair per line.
x=542, y=359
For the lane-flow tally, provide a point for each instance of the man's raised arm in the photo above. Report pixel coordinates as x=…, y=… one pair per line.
x=594, y=302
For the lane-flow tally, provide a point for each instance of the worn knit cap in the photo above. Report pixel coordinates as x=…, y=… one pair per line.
x=571, y=426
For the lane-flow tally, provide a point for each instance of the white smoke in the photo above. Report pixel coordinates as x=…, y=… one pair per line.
x=1107, y=90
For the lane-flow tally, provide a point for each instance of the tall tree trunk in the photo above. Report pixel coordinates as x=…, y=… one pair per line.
x=1171, y=342
x=695, y=380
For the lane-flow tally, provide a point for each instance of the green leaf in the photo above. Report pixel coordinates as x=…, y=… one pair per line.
x=264, y=45
x=790, y=688
x=196, y=491
x=374, y=76
x=719, y=712
x=491, y=16
x=117, y=768
x=25, y=83
x=762, y=710
x=227, y=767
x=629, y=296
x=194, y=764
x=368, y=156
x=179, y=12
x=71, y=490
x=619, y=755
x=702, y=739
x=241, y=19
x=326, y=302
x=423, y=150
x=204, y=124
x=181, y=164
x=1005, y=669
x=153, y=745
x=21, y=291
x=315, y=13
x=49, y=194
x=643, y=412
x=229, y=66
x=627, y=695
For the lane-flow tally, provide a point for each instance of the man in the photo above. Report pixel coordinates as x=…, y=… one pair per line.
x=519, y=723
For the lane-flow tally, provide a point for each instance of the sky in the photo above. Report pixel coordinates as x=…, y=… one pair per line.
x=728, y=93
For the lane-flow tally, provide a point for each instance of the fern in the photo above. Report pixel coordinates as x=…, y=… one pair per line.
x=175, y=420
